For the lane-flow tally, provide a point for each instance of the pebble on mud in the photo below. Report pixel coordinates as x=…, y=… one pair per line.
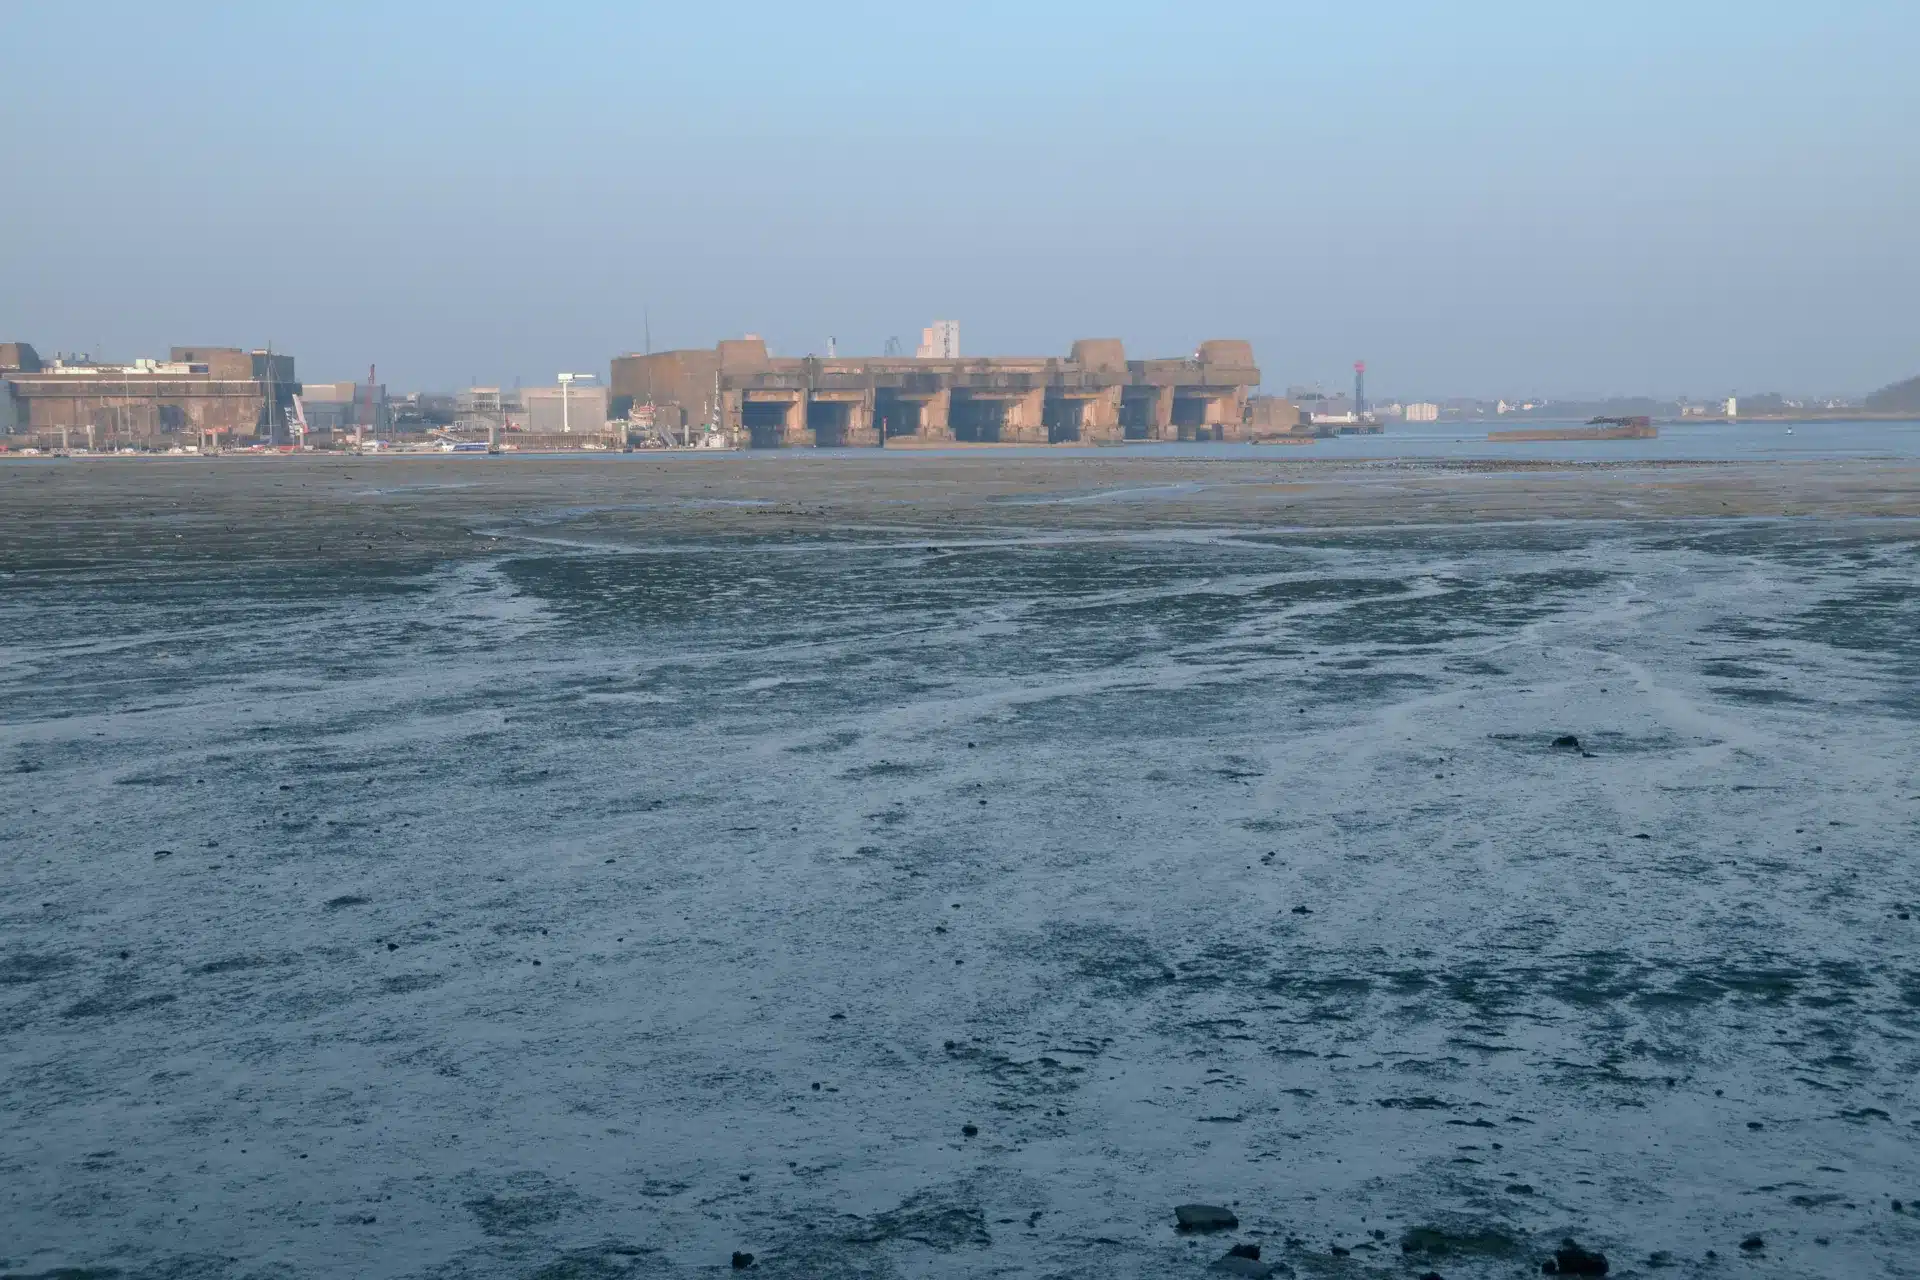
x=1567, y=742
x=1204, y=1217
x=1753, y=1243
x=741, y=1261
x=970, y=1130
x=1235, y=1263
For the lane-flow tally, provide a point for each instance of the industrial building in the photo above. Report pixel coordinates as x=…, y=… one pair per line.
x=1095, y=395
x=202, y=396
x=567, y=408
x=340, y=408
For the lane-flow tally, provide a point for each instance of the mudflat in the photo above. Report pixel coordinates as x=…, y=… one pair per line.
x=943, y=866
x=431, y=506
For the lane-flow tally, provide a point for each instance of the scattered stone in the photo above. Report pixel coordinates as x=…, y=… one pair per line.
x=970, y=1130
x=816, y=1086
x=1431, y=1275
x=1753, y=1243
x=1204, y=1217
x=1245, y=1251
x=394, y=946
x=1302, y=911
x=1234, y=1264
x=1519, y=1188
x=1897, y=1206
x=1571, y=1260
x=1755, y=1124
x=1641, y=835
x=1567, y=742
x=162, y=853
x=836, y=1017
x=741, y=1261
x=1660, y=1258
x=347, y=900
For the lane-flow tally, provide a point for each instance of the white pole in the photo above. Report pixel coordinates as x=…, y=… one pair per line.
x=566, y=423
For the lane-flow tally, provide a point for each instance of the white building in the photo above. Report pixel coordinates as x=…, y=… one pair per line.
x=940, y=341
x=1423, y=412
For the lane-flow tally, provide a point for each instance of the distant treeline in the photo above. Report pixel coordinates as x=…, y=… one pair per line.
x=1901, y=397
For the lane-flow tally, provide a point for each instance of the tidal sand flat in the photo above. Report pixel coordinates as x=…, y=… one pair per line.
x=946, y=867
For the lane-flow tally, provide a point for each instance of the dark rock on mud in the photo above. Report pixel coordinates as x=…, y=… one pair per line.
x=1753, y=1243
x=1466, y=1242
x=970, y=1130
x=347, y=900
x=1204, y=1217
x=741, y=1261
x=1245, y=1251
x=1566, y=742
x=1237, y=1264
x=1571, y=1260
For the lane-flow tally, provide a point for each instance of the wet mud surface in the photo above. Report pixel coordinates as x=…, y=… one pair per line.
x=503, y=881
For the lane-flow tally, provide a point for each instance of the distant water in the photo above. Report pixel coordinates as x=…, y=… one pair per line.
x=1691, y=441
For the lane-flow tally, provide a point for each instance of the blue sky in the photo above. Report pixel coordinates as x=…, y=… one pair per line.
x=1491, y=198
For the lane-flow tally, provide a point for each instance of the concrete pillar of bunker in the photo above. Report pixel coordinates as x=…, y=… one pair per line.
x=861, y=429
x=936, y=416
x=1100, y=416
x=1161, y=426
x=794, y=431
x=1230, y=412
x=1026, y=419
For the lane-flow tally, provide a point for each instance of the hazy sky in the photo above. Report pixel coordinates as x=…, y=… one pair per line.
x=1681, y=196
